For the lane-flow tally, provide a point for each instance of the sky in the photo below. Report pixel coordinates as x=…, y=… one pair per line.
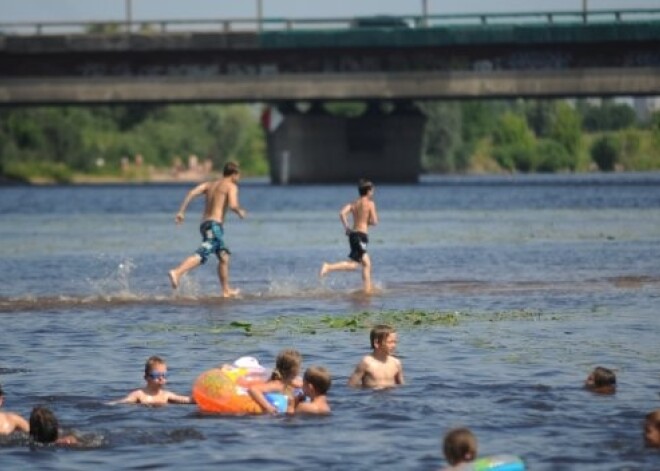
x=115, y=10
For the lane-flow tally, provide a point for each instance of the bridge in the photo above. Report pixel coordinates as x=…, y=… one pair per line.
x=374, y=59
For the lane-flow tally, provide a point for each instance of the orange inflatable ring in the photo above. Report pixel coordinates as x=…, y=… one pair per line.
x=224, y=391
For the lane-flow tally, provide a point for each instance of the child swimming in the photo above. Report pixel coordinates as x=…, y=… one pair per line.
x=283, y=380
x=316, y=383
x=460, y=448
x=11, y=422
x=379, y=369
x=601, y=381
x=154, y=393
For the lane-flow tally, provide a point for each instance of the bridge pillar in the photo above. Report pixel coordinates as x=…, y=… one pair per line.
x=319, y=147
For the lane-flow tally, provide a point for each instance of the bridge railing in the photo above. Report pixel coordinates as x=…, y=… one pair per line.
x=227, y=25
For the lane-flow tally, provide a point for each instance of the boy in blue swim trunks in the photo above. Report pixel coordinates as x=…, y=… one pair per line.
x=364, y=215
x=220, y=195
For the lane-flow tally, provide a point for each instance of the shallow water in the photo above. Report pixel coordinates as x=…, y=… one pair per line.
x=539, y=279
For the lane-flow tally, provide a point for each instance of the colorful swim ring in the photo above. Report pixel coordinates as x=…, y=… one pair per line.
x=496, y=463
x=224, y=391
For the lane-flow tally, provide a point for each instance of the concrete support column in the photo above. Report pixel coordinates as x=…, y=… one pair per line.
x=318, y=147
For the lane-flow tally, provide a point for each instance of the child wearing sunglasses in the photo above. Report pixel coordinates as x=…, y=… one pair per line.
x=154, y=393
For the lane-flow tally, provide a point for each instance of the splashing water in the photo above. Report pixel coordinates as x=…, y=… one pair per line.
x=117, y=282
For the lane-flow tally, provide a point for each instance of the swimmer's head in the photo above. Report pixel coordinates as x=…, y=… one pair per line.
x=379, y=335
x=43, y=425
x=319, y=378
x=652, y=429
x=460, y=445
x=155, y=370
x=601, y=380
x=287, y=365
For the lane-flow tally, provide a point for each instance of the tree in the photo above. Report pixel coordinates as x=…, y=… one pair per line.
x=566, y=129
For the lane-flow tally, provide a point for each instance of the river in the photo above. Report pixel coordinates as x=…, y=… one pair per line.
x=506, y=292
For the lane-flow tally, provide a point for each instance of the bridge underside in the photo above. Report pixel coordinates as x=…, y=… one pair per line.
x=357, y=86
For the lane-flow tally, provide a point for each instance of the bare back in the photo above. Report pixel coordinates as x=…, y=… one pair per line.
x=363, y=210
x=219, y=195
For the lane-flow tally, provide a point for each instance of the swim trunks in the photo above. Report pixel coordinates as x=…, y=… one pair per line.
x=212, y=233
x=358, y=242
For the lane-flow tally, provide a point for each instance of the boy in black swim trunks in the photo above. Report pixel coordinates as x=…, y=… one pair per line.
x=364, y=214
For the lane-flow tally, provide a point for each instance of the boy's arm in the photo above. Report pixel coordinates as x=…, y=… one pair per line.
x=177, y=399
x=306, y=408
x=20, y=423
x=195, y=192
x=357, y=377
x=398, y=379
x=233, y=202
x=343, y=217
x=132, y=398
x=373, y=215
x=257, y=391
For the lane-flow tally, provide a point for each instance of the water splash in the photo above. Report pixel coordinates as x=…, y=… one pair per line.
x=116, y=283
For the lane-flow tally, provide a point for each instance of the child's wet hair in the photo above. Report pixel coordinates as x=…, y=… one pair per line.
x=230, y=168
x=653, y=419
x=459, y=445
x=44, y=427
x=287, y=365
x=318, y=377
x=151, y=362
x=603, y=377
x=379, y=333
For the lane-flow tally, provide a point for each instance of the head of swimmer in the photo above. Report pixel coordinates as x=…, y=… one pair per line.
x=459, y=446
x=365, y=188
x=155, y=372
x=601, y=380
x=383, y=339
x=287, y=366
x=316, y=381
x=652, y=429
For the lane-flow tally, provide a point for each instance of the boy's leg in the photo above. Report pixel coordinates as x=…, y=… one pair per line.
x=188, y=264
x=366, y=272
x=339, y=266
x=223, y=274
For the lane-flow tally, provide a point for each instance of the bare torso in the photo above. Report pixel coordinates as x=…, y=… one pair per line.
x=362, y=210
x=379, y=373
x=217, y=196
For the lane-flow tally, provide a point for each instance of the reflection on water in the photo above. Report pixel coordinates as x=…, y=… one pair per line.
x=506, y=292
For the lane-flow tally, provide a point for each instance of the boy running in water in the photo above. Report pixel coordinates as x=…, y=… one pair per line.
x=220, y=195
x=364, y=215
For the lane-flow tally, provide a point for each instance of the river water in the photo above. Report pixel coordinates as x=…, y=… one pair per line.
x=506, y=292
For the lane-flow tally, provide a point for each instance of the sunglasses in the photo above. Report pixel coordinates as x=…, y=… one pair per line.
x=157, y=375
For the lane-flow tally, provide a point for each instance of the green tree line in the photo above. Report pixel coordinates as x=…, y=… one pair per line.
x=55, y=143
x=538, y=136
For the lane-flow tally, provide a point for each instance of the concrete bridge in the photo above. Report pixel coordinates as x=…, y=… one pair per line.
x=281, y=61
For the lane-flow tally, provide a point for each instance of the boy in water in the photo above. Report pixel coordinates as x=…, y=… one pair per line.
x=154, y=393
x=364, y=215
x=601, y=381
x=652, y=429
x=10, y=422
x=316, y=383
x=220, y=195
x=379, y=369
x=460, y=448
x=44, y=428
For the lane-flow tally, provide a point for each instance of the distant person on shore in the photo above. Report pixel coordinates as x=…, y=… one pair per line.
x=154, y=393
x=283, y=380
x=601, y=381
x=316, y=383
x=379, y=369
x=11, y=422
x=460, y=448
x=44, y=428
x=220, y=195
x=363, y=211
x=652, y=429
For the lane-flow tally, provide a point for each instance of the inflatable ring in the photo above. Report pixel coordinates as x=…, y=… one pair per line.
x=224, y=391
x=496, y=463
